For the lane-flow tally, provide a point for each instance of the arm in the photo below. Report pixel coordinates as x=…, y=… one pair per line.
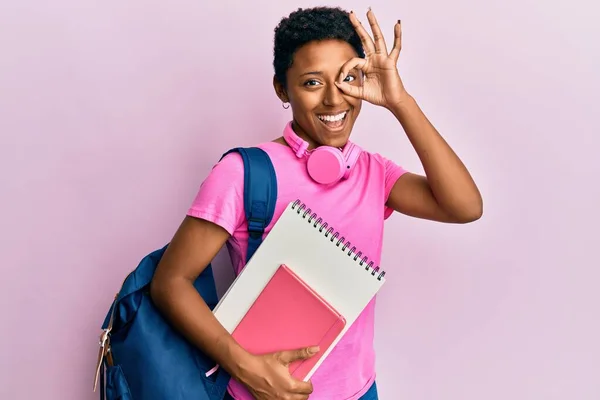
x=194, y=245
x=173, y=292
x=447, y=193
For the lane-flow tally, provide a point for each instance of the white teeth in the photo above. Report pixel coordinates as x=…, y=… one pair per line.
x=332, y=118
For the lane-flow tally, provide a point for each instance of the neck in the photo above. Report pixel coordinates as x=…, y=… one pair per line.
x=302, y=135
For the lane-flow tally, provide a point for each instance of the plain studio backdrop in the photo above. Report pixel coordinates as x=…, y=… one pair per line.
x=113, y=112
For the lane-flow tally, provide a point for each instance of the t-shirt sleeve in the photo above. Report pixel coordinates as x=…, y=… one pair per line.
x=392, y=172
x=220, y=198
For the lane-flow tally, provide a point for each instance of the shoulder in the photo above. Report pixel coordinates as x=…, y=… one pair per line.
x=387, y=171
x=231, y=163
x=228, y=173
x=220, y=197
x=378, y=160
x=373, y=157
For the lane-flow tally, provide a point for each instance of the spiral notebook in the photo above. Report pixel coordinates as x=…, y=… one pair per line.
x=320, y=258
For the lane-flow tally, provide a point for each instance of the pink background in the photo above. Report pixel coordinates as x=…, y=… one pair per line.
x=111, y=114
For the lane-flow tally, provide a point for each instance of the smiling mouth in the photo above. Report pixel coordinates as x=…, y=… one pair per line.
x=333, y=121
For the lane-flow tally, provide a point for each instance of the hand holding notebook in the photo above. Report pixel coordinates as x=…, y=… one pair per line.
x=275, y=367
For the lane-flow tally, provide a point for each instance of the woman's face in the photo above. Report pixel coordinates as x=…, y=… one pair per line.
x=323, y=114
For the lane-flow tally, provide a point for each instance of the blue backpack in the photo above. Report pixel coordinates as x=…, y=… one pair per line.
x=141, y=355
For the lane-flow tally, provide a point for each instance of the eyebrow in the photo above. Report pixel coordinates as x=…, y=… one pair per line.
x=355, y=69
x=313, y=73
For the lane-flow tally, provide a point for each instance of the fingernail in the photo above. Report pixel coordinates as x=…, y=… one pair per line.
x=314, y=350
x=399, y=21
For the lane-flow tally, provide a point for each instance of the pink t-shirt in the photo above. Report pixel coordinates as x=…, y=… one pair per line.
x=355, y=206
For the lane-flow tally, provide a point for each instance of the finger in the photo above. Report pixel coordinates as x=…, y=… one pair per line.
x=380, y=46
x=289, y=356
x=350, y=90
x=347, y=87
x=299, y=397
x=395, y=53
x=367, y=43
x=356, y=62
x=302, y=388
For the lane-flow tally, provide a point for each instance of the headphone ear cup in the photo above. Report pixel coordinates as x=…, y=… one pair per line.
x=326, y=165
x=351, y=154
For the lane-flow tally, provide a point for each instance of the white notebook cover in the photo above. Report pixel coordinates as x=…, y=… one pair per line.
x=340, y=279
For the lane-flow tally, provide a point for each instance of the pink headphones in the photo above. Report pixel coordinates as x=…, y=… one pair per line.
x=325, y=164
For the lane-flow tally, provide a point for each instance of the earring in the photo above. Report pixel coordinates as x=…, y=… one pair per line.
x=283, y=105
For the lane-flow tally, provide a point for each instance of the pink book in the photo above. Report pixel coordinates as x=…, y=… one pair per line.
x=289, y=315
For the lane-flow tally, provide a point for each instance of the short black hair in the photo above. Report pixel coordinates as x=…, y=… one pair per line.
x=306, y=25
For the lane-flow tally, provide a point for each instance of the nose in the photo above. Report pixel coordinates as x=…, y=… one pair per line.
x=333, y=96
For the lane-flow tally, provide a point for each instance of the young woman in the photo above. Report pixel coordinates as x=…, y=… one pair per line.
x=326, y=65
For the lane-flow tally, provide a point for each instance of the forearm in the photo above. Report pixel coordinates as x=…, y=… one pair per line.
x=450, y=182
x=182, y=305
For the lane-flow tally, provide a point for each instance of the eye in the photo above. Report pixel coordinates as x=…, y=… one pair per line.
x=349, y=78
x=311, y=82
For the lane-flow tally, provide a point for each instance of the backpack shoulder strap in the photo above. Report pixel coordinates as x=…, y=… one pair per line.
x=260, y=193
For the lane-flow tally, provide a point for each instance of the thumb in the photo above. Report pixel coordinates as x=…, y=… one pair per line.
x=350, y=90
x=289, y=356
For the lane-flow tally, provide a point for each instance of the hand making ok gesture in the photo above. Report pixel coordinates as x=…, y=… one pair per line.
x=382, y=85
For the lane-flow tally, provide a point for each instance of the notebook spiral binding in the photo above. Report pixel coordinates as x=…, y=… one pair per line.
x=334, y=236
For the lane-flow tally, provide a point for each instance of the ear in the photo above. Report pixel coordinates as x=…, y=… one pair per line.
x=280, y=90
